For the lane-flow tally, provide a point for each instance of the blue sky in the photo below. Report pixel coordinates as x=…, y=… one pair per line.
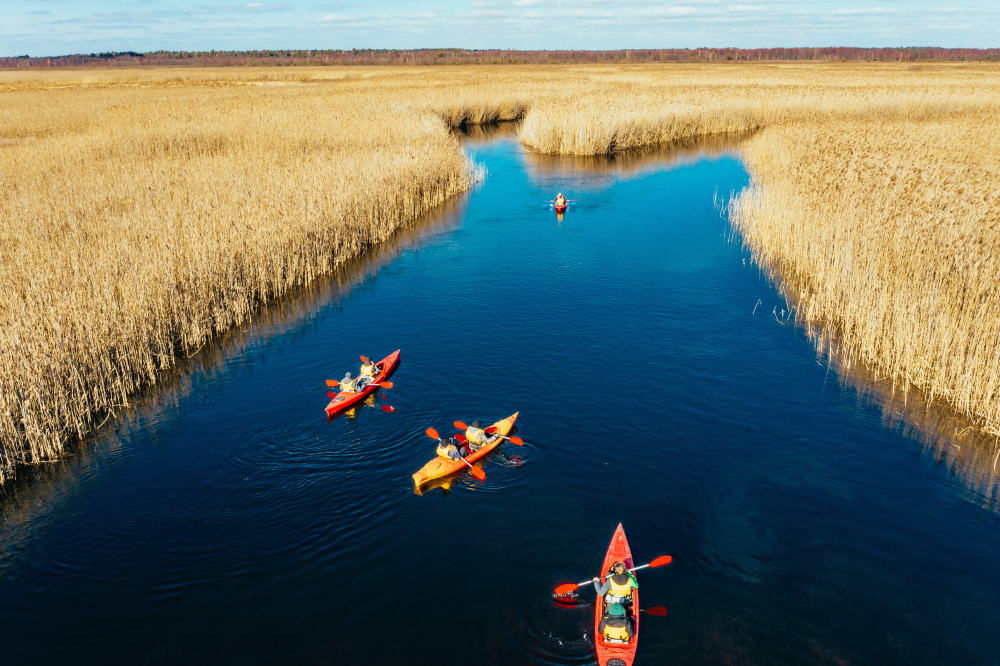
x=54, y=27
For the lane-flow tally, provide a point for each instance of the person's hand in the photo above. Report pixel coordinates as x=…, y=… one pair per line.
x=596, y=580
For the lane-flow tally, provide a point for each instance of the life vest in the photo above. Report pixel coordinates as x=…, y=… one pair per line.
x=347, y=386
x=560, y=201
x=369, y=370
x=616, y=629
x=476, y=435
x=444, y=448
x=621, y=586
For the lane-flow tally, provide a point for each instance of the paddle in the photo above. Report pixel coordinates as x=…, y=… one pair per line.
x=516, y=440
x=332, y=383
x=476, y=472
x=566, y=588
x=388, y=408
x=460, y=425
x=656, y=610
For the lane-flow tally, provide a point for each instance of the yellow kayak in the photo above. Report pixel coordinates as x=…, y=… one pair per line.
x=439, y=466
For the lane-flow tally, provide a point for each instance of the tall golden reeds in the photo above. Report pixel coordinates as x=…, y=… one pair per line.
x=889, y=233
x=144, y=211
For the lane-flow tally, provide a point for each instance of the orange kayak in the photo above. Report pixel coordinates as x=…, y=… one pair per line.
x=617, y=654
x=343, y=400
x=439, y=466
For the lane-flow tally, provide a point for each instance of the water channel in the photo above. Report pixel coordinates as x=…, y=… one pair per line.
x=225, y=521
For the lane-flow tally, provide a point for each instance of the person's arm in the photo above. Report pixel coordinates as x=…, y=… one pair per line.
x=633, y=582
x=602, y=588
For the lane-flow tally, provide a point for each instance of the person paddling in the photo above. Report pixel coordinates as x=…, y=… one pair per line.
x=347, y=384
x=615, y=626
x=446, y=448
x=617, y=588
x=560, y=200
x=368, y=368
x=478, y=438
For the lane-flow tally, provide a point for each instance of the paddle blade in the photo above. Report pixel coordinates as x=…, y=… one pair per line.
x=331, y=395
x=566, y=588
x=461, y=426
x=517, y=440
x=657, y=610
x=661, y=560
x=478, y=473
x=386, y=384
x=432, y=433
x=332, y=382
x=460, y=437
x=363, y=359
x=388, y=408
x=383, y=396
x=491, y=429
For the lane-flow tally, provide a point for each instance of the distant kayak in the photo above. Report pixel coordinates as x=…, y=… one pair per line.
x=617, y=654
x=561, y=208
x=439, y=467
x=343, y=400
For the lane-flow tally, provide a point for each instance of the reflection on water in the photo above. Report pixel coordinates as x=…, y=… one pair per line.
x=603, y=171
x=954, y=440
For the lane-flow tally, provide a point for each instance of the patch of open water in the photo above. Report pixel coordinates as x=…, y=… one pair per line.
x=225, y=521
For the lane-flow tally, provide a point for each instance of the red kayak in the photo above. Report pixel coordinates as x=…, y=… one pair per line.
x=617, y=654
x=343, y=400
x=561, y=209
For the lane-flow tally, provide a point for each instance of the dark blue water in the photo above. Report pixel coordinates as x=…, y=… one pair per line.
x=225, y=521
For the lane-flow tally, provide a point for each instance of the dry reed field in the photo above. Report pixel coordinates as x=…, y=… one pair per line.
x=892, y=238
x=143, y=212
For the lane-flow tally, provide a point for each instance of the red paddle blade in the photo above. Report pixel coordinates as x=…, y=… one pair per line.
x=478, y=473
x=461, y=426
x=517, y=440
x=491, y=429
x=386, y=384
x=657, y=610
x=566, y=588
x=432, y=433
x=460, y=437
x=363, y=359
x=661, y=560
x=388, y=408
x=331, y=395
x=332, y=382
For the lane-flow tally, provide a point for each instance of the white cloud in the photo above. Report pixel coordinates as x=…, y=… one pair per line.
x=873, y=10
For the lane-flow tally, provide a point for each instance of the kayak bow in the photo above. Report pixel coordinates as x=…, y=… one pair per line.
x=616, y=654
x=343, y=400
x=439, y=466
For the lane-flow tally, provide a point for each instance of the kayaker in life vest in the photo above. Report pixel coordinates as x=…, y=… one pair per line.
x=368, y=368
x=447, y=449
x=617, y=587
x=478, y=438
x=615, y=626
x=560, y=199
x=347, y=384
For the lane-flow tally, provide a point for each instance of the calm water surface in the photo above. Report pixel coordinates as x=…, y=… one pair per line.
x=226, y=522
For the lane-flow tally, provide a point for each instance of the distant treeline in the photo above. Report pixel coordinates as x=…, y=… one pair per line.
x=476, y=57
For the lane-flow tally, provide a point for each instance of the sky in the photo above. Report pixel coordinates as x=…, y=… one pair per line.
x=59, y=27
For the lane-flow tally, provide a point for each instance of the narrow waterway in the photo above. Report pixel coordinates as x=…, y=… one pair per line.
x=225, y=521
